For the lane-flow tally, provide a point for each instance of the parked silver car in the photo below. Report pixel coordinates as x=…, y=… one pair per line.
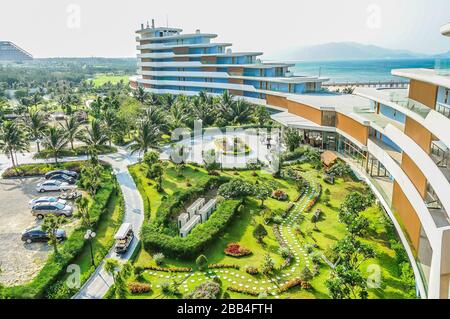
x=46, y=199
x=42, y=209
x=52, y=186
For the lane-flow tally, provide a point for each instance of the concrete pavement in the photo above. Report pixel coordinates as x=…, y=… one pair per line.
x=100, y=281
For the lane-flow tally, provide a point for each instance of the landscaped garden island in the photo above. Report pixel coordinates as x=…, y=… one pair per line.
x=282, y=235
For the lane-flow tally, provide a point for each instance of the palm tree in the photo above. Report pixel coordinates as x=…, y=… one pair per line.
x=12, y=140
x=148, y=135
x=167, y=100
x=83, y=208
x=156, y=117
x=110, y=123
x=238, y=112
x=55, y=140
x=35, y=126
x=226, y=101
x=203, y=109
x=51, y=225
x=72, y=127
x=140, y=94
x=177, y=114
x=94, y=136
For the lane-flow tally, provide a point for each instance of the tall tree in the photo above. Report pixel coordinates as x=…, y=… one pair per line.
x=51, y=225
x=36, y=125
x=111, y=124
x=203, y=109
x=292, y=138
x=71, y=127
x=94, y=136
x=140, y=94
x=12, y=140
x=147, y=136
x=55, y=139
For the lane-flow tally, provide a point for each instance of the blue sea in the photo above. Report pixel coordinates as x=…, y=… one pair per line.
x=360, y=70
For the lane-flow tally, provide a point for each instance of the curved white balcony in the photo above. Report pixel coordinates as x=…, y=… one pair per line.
x=211, y=85
x=162, y=46
x=433, y=121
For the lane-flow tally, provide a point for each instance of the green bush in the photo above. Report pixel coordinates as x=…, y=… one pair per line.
x=46, y=282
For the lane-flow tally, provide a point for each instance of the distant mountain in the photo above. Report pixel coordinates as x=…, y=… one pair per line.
x=350, y=51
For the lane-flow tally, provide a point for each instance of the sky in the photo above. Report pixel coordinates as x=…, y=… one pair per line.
x=76, y=28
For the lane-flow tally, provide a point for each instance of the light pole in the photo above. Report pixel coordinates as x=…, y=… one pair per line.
x=89, y=236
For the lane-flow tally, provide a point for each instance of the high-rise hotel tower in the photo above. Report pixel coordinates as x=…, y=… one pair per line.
x=172, y=62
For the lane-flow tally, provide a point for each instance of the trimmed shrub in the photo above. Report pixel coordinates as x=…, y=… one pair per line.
x=139, y=288
x=244, y=291
x=169, y=269
x=252, y=270
x=221, y=266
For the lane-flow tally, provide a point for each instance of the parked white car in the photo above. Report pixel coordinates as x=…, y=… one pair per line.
x=46, y=199
x=53, y=186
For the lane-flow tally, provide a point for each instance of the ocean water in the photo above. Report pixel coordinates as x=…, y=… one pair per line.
x=360, y=70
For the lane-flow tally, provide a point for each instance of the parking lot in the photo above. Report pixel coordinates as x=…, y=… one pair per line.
x=19, y=262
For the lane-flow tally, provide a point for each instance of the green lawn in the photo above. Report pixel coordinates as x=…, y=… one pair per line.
x=102, y=79
x=240, y=230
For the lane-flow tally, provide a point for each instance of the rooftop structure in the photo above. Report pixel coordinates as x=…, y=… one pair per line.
x=9, y=52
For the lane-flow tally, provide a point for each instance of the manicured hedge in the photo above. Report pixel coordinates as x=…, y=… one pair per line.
x=171, y=206
x=29, y=170
x=82, y=150
x=56, y=265
x=197, y=240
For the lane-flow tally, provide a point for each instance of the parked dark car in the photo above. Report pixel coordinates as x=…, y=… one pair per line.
x=38, y=235
x=63, y=178
x=63, y=171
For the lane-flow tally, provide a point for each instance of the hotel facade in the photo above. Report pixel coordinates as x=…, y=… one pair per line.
x=176, y=63
x=396, y=140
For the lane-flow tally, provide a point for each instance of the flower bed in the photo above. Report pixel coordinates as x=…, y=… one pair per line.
x=172, y=269
x=279, y=194
x=244, y=291
x=139, y=288
x=236, y=250
x=314, y=200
